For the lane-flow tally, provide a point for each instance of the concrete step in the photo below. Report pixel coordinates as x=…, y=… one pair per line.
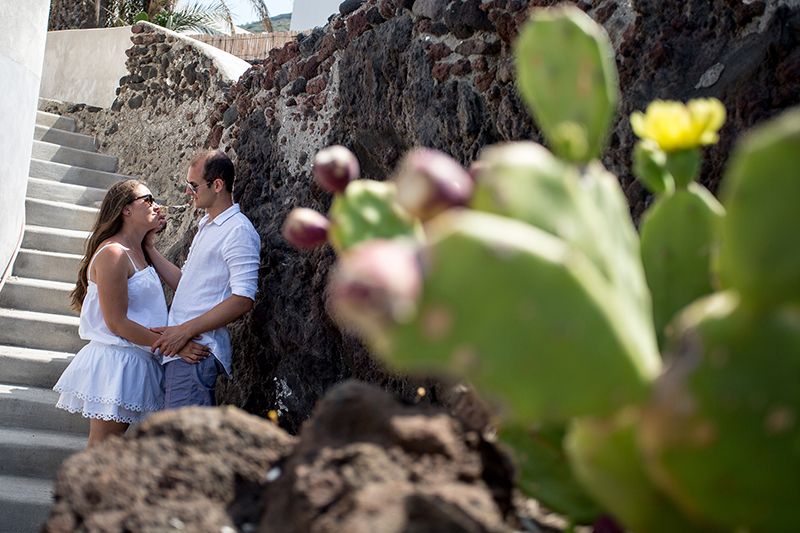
x=71, y=156
x=44, y=296
x=24, y=503
x=65, y=138
x=65, y=192
x=55, y=121
x=38, y=264
x=35, y=408
x=50, y=170
x=32, y=368
x=59, y=214
x=35, y=453
x=42, y=331
x=54, y=240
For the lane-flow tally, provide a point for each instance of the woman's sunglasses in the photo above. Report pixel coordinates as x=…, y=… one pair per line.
x=148, y=199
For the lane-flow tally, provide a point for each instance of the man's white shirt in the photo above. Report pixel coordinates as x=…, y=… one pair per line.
x=223, y=260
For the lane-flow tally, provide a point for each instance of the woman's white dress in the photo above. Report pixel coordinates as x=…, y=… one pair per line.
x=111, y=378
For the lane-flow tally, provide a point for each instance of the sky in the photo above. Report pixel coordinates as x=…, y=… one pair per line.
x=243, y=12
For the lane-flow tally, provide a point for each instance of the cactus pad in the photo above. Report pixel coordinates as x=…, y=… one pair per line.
x=759, y=255
x=567, y=76
x=524, y=316
x=721, y=435
x=679, y=235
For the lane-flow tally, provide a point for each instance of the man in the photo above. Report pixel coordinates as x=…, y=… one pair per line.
x=216, y=285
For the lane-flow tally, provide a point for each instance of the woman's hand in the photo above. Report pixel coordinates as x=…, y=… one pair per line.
x=194, y=353
x=172, y=340
x=150, y=237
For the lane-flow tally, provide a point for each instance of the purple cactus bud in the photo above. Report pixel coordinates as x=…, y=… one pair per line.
x=305, y=228
x=429, y=182
x=335, y=167
x=374, y=285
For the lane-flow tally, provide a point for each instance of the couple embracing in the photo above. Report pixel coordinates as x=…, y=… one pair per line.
x=140, y=356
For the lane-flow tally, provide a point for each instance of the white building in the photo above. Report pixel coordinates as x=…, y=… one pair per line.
x=309, y=14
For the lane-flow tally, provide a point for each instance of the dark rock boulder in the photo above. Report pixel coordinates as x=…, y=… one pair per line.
x=195, y=469
x=363, y=462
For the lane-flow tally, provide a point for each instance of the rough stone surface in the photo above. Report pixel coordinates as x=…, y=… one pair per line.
x=74, y=14
x=194, y=469
x=362, y=463
x=365, y=463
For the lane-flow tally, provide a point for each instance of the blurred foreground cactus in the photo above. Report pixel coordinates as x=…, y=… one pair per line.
x=664, y=368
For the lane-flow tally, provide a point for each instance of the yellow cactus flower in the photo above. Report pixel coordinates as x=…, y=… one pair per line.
x=675, y=126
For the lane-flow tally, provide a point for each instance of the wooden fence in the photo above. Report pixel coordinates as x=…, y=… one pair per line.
x=250, y=46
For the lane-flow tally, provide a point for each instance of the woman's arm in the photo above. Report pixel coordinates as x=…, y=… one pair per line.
x=170, y=273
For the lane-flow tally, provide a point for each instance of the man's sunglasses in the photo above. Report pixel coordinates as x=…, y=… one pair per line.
x=193, y=187
x=148, y=199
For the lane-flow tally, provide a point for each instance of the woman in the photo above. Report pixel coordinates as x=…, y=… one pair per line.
x=115, y=380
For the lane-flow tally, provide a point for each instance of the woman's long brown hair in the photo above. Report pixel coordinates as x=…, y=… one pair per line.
x=108, y=224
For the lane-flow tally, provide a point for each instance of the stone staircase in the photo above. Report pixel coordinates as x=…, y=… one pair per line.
x=38, y=330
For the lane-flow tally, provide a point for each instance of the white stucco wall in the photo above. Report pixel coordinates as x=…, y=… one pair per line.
x=84, y=66
x=23, y=28
x=309, y=14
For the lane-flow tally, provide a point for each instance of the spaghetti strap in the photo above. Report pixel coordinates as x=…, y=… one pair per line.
x=89, y=269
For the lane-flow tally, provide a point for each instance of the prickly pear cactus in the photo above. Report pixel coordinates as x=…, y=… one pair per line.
x=367, y=210
x=759, y=254
x=538, y=295
x=720, y=436
x=567, y=76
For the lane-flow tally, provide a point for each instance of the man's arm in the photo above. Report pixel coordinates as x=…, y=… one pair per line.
x=240, y=251
x=173, y=338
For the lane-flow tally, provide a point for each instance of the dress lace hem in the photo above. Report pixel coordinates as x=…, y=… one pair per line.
x=107, y=401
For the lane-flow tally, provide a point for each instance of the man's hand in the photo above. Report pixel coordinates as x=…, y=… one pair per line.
x=193, y=353
x=172, y=340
